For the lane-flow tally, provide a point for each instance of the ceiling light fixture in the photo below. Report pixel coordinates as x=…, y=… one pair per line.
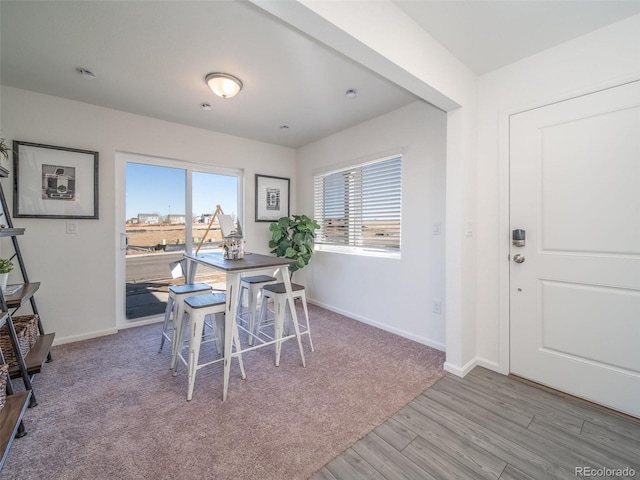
x=223, y=84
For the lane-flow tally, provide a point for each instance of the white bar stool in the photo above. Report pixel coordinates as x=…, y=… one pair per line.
x=173, y=312
x=197, y=308
x=252, y=285
x=177, y=293
x=282, y=316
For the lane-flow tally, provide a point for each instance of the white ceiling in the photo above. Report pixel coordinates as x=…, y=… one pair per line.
x=487, y=35
x=150, y=58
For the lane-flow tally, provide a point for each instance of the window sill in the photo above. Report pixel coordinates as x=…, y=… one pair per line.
x=365, y=252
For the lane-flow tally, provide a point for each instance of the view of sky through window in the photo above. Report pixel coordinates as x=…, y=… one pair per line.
x=161, y=190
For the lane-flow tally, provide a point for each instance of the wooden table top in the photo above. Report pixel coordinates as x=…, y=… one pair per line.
x=251, y=261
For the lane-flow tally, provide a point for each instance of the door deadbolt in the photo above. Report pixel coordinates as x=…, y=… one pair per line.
x=517, y=237
x=518, y=258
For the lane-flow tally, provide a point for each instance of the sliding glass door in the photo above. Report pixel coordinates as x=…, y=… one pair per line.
x=169, y=206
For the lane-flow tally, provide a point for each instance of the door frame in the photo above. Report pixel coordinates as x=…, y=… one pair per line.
x=121, y=158
x=504, y=136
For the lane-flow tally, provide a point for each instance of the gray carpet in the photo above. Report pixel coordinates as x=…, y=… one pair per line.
x=109, y=408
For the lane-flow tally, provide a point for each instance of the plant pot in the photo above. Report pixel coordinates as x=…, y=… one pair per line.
x=4, y=277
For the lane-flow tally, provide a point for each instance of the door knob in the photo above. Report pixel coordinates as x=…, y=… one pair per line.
x=518, y=258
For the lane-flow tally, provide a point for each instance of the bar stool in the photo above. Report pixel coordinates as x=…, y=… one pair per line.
x=252, y=285
x=278, y=294
x=196, y=308
x=177, y=293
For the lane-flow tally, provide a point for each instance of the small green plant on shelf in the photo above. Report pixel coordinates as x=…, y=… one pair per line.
x=4, y=150
x=5, y=265
x=293, y=237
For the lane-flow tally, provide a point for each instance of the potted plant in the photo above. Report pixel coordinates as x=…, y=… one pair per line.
x=5, y=267
x=4, y=150
x=293, y=237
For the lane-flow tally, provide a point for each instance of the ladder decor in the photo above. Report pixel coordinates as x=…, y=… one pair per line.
x=22, y=339
x=24, y=343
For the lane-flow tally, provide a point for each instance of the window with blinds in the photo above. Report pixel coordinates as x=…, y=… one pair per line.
x=360, y=207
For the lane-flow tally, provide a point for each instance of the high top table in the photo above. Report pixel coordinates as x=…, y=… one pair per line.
x=234, y=270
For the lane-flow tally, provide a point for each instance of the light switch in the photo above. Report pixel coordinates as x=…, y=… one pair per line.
x=72, y=226
x=437, y=307
x=435, y=228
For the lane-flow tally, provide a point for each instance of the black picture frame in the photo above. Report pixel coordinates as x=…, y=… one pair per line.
x=272, y=198
x=54, y=182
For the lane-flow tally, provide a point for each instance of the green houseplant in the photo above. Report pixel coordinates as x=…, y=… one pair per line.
x=5, y=267
x=293, y=237
x=4, y=150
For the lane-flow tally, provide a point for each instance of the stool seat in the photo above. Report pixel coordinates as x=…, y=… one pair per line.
x=174, y=306
x=258, y=279
x=196, y=308
x=189, y=288
x=206, y=301
x=280, y=288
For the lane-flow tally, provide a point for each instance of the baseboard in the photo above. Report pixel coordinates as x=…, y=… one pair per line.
x=461, y=371
x=470, y=365
x=402, y=333
x=85, y=336
x=488, y=364
x=141, y=323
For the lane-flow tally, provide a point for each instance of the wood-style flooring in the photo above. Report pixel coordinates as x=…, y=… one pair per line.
x=489, y=426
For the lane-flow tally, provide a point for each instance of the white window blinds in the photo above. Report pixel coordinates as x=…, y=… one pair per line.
x=360, y=206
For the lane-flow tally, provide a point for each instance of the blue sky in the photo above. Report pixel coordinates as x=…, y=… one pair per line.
x=154, y=189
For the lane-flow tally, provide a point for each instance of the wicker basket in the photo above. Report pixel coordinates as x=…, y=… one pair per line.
x=4, y=373
x=26, y=327
x=31, y=324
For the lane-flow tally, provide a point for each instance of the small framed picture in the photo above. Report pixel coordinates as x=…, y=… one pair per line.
x=54, y=182
x=272, y=198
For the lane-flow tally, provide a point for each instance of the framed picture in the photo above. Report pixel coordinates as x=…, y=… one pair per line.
x=54, y=182
x=272, y=198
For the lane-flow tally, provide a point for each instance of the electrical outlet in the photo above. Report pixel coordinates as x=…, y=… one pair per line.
x=437, y=307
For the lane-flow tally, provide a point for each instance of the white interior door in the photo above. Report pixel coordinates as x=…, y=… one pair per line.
x=575, y=299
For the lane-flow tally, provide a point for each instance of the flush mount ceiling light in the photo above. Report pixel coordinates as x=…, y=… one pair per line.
x=223, y=84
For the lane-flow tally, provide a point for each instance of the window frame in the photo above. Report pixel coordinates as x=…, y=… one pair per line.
x=354, y=198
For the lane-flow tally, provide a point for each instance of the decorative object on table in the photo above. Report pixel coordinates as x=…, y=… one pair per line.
x=54, y=182
x=5, y=267
x=233, y=246
x=272, y=198
x=232, y=239
x=213, y=217
x=293, y=237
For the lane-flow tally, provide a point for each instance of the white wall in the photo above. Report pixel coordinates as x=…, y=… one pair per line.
x=602, y=59
x=79, y=281
x=383, y=38
x=393, y=294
